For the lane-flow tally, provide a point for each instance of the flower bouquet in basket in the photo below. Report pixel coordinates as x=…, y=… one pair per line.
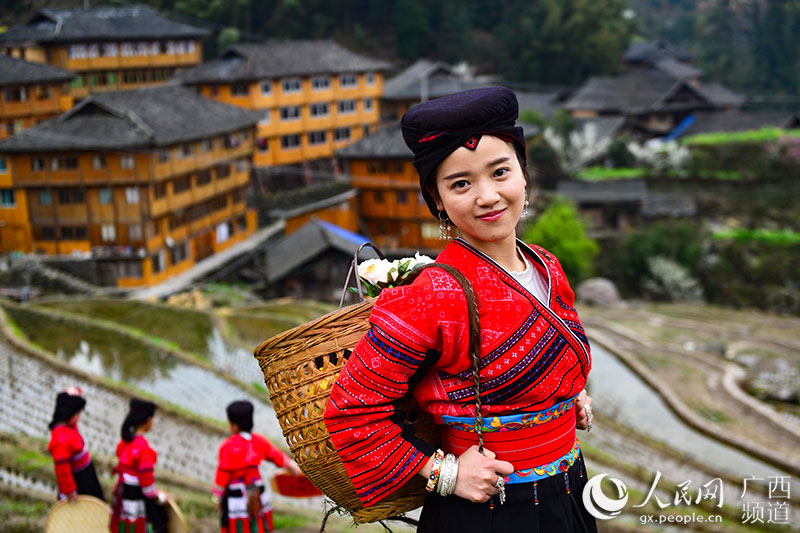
x=379, y=274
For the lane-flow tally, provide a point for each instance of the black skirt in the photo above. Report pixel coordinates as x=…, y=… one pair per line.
x=86, y=482
x=557, y=511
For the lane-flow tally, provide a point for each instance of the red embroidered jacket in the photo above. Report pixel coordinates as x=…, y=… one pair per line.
x=239, y=457
x=533, y=356
x=69, y=455
x=137, y=461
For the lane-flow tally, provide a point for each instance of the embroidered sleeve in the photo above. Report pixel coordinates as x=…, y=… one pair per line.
x=223, y=475
x=412, y=327
x=271, y=453
x=62, y=451
x=147, y=480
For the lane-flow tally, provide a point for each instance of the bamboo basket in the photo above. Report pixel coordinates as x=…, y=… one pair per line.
x=301, y=365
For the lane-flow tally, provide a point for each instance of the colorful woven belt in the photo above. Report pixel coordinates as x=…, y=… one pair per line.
x=539, y=444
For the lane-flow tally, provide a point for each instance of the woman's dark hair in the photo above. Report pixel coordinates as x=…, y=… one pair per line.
x=139, y=413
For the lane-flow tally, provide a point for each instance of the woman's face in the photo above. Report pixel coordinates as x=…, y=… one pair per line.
x=483, y=192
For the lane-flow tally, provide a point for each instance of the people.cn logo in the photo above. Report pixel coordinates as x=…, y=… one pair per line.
x=598, y=504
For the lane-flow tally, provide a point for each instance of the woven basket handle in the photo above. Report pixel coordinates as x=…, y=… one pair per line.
x=474, y=334
x=354, y=270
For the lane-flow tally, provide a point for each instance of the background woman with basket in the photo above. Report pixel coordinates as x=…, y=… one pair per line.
x=530, y=367
x=138, y=505
x=75, y=472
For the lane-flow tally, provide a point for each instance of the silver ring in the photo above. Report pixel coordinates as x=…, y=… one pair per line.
x=589, y=416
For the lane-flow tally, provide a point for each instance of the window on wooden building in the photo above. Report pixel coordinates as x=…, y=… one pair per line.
x=3, y=167
x=240, y=89
x=291, y=85
x=203, y=178
x=99, y=161
x=266, y=87
x=70, y=196
x=104, y=195
x=347, y=107
x=223, y=171
x=402, y=197
x=290, y=112
x=367, y=104
x=108, y=232
x=126, y=162
x=317, y=137
x=37, y=164
x=370, y=77
x=320, y=83
x=319, y=109
x=184, y=183
x=289, y=142
x=341, y=134
x=348, y=80
x=132, y=195
x=7, y=198
x=135, y=232
x=160, y=190
x=45, y=197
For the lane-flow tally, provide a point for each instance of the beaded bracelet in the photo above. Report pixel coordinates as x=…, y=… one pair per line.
x=434, y=477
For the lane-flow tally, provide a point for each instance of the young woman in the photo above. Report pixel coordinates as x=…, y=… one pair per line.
x=534, y=355
x=137, y=502
x=238, y=489
x=75, y=471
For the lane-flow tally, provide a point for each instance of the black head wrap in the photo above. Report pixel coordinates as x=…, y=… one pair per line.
x=140, y=411
x=436, y=128
x=241, y=414
x=67, y=405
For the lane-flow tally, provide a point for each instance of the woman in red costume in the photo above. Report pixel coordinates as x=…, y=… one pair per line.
x=238, y=489
x=137, y=502
x=75, y=471
x=534, y=354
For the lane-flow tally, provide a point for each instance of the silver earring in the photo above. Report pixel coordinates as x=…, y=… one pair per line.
x=524, y=214
x=444, y=226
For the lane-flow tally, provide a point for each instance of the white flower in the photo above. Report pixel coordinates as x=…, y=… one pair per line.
x=377, y=271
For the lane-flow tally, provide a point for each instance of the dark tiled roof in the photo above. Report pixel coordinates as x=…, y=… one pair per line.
x=543, y=103
x=677, y=69
x=731, y=121
x=720, y=95
x=606, y=191
x=99, y=23
x=143, y=118
x=647, y=90
x=654, y=51
x=422, y=68
x=606, y=126
x=18, y=72
x=308, y=242
x=274, y=59
x=386, y=143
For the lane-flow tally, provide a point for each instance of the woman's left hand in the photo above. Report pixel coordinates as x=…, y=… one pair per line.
x=583, y=411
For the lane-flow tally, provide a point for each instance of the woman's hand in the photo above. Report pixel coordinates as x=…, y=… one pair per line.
x=477, y=474
x=583, y=411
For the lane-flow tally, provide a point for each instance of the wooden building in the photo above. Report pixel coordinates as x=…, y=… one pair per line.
x=391, y=206
x=108, y=48
x=657, y=95
x=313, y=96
x=146, y=182
x=30, y=93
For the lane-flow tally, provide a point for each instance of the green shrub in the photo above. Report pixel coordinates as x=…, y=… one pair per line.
x=680, y=242
x=560, y=231
x=604, y=173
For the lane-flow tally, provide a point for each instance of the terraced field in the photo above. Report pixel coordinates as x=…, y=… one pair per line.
x=194, y=362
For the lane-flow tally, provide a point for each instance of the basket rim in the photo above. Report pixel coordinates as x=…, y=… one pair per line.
x=324, y=319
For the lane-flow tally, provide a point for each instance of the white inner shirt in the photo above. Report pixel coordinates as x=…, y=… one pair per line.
x=532, y=280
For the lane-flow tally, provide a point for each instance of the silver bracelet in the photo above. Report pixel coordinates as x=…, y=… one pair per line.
x=447, y=479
